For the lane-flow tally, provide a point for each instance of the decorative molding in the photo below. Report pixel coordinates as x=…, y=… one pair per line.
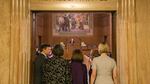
x=77, y=5
x=73, y=0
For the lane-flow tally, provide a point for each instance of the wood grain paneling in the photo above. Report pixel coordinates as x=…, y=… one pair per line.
x=102, y=25
x=101, y=21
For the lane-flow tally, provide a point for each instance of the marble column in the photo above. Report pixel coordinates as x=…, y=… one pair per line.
x=126, y=41
x=133, y=43
x=19, y=42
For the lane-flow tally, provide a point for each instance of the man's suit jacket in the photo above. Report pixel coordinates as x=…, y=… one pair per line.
x=40, y=59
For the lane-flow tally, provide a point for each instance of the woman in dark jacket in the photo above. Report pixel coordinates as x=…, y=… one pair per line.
x=57, y=69
x=78, y=69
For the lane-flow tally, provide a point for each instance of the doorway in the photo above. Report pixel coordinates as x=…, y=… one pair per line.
x=103, y=24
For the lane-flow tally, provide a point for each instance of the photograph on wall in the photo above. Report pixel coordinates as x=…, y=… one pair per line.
x=72, y=24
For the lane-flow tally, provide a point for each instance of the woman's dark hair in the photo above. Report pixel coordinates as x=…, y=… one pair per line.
x=58, y=50
x=77, y=55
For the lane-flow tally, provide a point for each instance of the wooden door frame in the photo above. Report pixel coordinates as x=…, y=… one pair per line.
x=121, y=50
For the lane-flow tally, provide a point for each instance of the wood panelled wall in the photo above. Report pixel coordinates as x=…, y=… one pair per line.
x=102, y=25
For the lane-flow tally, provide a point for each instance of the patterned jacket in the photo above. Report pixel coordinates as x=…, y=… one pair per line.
x=56, y=71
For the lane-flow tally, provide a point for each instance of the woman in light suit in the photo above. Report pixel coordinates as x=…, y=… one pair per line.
x=103, y=67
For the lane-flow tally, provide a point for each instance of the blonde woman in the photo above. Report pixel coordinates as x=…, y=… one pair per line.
x=103, y=67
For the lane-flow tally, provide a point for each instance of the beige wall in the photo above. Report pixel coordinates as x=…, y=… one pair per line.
x=143, y=41
x=4, y=41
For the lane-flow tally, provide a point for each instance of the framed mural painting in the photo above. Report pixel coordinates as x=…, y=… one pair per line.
x=72, y=24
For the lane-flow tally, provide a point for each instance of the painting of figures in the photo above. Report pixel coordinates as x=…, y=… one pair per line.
x=72, y=24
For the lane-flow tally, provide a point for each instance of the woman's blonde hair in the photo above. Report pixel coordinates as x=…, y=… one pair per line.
x=103, y=48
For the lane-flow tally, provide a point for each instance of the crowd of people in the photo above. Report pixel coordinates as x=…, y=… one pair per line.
x=51, y=67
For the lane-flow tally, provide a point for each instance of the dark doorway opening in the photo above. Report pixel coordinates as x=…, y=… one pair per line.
x=103, y=24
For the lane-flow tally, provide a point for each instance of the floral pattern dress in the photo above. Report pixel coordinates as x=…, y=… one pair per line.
x=56, y=71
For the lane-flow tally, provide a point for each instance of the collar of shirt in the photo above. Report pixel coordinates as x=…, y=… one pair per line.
x=44, y=55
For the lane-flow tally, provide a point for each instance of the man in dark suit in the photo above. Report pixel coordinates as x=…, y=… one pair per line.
x=45, y=49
